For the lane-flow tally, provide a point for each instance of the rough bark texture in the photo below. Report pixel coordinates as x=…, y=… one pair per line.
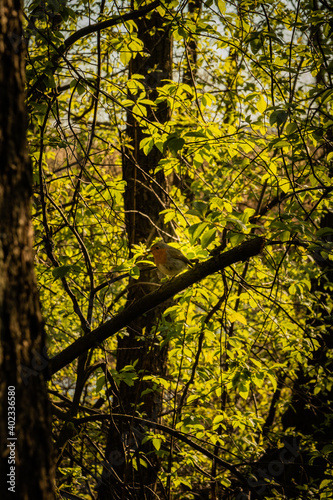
x=22, y=337
x=190, y=72
x=145, y=192
x=144, y=198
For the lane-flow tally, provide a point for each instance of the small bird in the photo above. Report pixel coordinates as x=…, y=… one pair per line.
x=169, y=260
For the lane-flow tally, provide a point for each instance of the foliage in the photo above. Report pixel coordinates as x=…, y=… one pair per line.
x=247, y=150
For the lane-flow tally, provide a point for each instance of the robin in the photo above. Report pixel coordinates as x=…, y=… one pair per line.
x=169, y=260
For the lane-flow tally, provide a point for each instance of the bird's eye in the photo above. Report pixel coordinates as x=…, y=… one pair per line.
x=157, y=247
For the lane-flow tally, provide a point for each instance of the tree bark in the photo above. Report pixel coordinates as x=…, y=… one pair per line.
x=144, y=198
x=27, y=470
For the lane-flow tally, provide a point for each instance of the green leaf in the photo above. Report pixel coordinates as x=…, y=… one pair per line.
x=281, y=144
x=100, y=383
x=324, y=231
x=291, y=127
x=196, y=133
x=147, y=145
x=244, y=389
x=169, y=215
x=285, y=236
x=139, y=110
x=125, y=56
x=278, y=117
x=208, y=237
x=218, y=420
x=61, y=271
x=236, y=316
x=157, y=443
x=146, y=391
x=272, y=379
x=261, y=104
x=258, y=379
x=80, y=89
x=221, y=5
x=174, y=143
x=135, y=272
x=196, y=230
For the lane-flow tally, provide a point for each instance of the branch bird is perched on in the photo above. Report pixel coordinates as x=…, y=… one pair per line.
x=169, y=260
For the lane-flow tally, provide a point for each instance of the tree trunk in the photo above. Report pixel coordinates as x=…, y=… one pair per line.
x=25, y=428
x=124, y=475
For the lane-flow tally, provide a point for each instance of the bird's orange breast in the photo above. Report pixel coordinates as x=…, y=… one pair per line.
x=160, y=256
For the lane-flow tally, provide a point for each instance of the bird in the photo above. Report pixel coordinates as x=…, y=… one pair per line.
x=169, y=260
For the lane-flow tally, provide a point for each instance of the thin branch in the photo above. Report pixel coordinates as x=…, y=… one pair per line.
x=168, y=430
x=199, y=348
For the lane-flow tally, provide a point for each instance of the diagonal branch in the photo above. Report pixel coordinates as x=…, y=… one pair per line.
x=87, y=30
x=238, y=254
x=93, y=28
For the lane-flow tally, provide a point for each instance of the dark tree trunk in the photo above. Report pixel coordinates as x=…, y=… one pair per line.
x=190, y=72
x=25, y=429
x=145, y=197
x=145, y=193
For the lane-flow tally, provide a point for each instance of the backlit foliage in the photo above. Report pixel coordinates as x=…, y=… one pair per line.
x=247, y=151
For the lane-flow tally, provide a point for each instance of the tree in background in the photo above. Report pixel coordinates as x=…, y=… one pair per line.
x=208, y=124
x=145, y=196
